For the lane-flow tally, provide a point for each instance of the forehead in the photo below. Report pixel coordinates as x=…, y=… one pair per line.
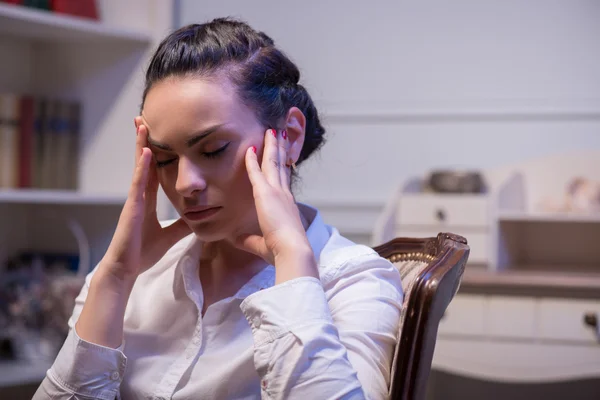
x=181, y=105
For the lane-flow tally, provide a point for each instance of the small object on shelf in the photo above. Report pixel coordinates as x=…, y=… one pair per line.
x=582, y=195
x=17, y=2
x=78, y=8
x=40, y=4
x=452, y=181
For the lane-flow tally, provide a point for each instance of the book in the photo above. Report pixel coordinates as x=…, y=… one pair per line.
x=9, y=139
x=78, y=8
x=39, y=142
x=26, y=131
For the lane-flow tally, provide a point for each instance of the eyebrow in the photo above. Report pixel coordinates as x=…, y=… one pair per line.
x=198, y=136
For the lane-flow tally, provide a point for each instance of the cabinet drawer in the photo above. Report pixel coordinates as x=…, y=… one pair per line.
x=478, y=241
x=564, y=320
x=511, y=317
x=464, y=316
x=447, y=210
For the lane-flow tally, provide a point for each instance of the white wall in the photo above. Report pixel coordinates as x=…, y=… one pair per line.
x=116, y=136
x=408, y=86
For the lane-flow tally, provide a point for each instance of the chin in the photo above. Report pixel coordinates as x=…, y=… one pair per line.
x=209, y=231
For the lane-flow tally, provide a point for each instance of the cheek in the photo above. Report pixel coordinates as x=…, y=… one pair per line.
x=163, y=176
x=239, y=175
x=166, y=183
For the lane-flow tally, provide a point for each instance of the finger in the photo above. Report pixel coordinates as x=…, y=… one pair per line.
x=254, y=244
x=285, y=171
x=270, y=160
x=151, y=191
x=140, y=142
x=140, y=176
x=176, y=231
x=132, y=215
x=257, y=179
x=138, y=121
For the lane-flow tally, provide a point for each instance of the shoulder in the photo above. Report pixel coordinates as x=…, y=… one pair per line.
x=341, y=257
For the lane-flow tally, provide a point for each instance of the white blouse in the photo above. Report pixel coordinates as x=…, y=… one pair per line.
x=327, y=338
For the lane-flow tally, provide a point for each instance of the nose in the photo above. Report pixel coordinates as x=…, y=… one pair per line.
x=189, y=178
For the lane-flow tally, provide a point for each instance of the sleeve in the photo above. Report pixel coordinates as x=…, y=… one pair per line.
x=83, y=370
x=336, y=339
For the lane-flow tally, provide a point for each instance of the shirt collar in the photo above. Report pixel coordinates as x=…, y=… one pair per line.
x=318, y=233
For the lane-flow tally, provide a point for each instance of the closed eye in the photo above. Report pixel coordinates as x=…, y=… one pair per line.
x=210, y=154
x=216, y=153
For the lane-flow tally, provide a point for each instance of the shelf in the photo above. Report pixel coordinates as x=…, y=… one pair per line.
x=32, y=196
x=19, y=21
x=546, y=216
x=540, y=282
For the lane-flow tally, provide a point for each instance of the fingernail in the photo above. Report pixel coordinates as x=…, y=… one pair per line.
x=284, y=134
x=254, y=149
x=274, y=132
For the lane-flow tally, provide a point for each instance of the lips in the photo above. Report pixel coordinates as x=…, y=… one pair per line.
x=199, y=213
x=198, y=209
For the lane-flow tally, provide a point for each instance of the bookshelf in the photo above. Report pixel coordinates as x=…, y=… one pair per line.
x=99, y=64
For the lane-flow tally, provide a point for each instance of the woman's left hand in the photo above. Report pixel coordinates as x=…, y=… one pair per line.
x=283, y=242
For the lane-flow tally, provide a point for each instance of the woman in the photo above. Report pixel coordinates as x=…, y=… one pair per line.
x=249, y=294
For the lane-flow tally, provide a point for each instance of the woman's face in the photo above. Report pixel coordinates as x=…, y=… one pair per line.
x=199, y=132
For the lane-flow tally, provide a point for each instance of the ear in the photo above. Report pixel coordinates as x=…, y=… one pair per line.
x=295, y=125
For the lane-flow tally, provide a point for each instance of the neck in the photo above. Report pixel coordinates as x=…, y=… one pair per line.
x=224, y=254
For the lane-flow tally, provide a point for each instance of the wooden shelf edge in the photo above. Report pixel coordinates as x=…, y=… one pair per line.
x=546, y=216
x=34, y=196
x=586, y=285
x=49, y=26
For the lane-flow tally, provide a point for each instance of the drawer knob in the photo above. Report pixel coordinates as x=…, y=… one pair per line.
x=440, y=215
x=591, y=320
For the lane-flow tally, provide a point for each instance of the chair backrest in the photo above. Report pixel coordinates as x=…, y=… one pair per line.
x=431, y=270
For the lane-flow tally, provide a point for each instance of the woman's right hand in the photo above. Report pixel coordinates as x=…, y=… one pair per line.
x=139, y=240
x=138, y=243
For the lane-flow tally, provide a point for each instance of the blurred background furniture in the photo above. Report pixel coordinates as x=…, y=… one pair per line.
x=525, y=322
x=98, y=63
x=431, y=271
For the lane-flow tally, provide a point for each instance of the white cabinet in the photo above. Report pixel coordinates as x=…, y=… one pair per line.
x=458, y=211
x=530, y=295
x=565, y=320
x=464, y=317
x=425, y=215
x=511, y=317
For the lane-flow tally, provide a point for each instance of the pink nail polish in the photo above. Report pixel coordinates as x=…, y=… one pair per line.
x=274, y=132
x=284, y=134
x=254, y=149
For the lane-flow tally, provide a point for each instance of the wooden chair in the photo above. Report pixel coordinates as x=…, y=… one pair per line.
x=431, y=271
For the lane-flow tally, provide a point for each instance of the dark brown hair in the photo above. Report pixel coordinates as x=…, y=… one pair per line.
x=266, y=79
